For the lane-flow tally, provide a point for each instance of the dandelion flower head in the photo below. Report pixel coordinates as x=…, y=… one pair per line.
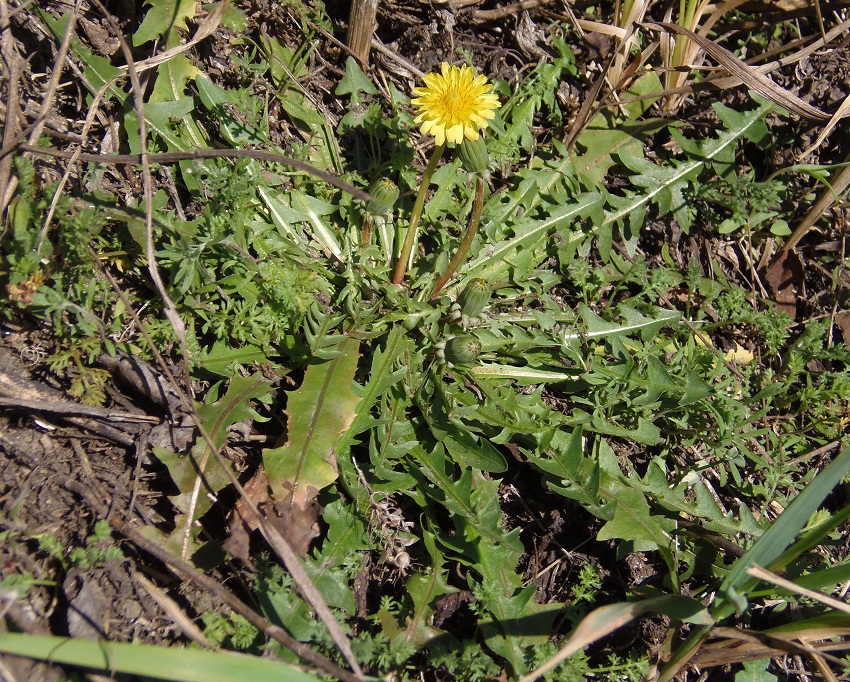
x=454, y=104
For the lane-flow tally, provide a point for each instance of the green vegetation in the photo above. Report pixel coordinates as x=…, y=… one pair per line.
x=664, y=407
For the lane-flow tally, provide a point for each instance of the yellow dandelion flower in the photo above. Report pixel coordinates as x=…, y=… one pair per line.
x=454, y=104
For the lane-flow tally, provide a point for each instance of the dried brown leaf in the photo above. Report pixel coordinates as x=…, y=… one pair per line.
x=785, y=278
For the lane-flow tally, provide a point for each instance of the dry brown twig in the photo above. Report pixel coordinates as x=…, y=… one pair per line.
x=167, y=604
x=737, y=646
x=507, y=10
x=750, y=76
x=823, y=203
x=76, y=409
x=195, y=154
x=92, y=114
x=12, y=73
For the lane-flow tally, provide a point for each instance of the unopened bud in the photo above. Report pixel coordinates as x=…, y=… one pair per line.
x=462, y=350
x=384, y=195
x=474, y=297
x=474, y=156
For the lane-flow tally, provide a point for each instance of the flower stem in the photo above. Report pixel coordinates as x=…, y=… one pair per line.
x=466, y=242
x=404, y=256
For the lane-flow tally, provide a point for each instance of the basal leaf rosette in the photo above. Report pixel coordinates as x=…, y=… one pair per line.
x=454, y=104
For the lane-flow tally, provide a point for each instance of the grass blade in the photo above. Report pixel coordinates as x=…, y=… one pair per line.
x=155, y=662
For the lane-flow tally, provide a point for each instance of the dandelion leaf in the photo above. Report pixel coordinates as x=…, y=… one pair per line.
x=163, y=17
x=318, y=413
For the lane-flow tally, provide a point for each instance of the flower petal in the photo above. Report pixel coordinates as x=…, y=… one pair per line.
x=455, y=134
x=440, y=136
x=454, y=103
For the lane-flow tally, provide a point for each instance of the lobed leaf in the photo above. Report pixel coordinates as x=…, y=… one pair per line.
x=597, y=327
x=664, y=184
x=495, y=262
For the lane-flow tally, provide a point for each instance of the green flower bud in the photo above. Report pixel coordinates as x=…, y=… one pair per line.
x=474, y=156
x=384, y=194
x=474, y=298
x=462, y=350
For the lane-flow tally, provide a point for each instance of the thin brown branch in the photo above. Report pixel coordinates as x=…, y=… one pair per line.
x=195, y=154
x=507, y=10
x=12, y=71
x=823, y=203
x=749, y=76
x=55, y=75
x=69, y=408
